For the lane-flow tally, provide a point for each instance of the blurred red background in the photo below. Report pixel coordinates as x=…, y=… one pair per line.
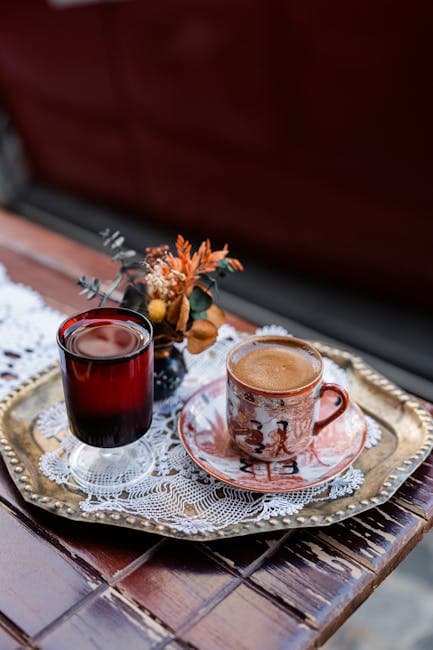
x=300, y=130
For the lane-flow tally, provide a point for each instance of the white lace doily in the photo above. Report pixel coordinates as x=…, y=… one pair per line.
x=27, y=345
x=27, y=333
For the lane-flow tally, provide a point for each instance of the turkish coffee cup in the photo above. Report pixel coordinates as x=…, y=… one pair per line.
x=274, y=387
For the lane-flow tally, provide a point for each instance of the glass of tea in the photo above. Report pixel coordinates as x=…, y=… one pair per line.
x=106, y=359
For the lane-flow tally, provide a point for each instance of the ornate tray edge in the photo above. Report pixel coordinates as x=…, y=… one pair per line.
x=58, y=506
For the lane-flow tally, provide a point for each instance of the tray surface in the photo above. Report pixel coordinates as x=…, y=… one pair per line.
x=407, y=438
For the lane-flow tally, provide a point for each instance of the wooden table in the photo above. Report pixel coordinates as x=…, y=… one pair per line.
x=69, y=585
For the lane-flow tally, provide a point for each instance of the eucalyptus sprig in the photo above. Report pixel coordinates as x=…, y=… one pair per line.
x=130, y=269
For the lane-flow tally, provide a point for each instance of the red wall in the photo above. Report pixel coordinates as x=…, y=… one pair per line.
x=299, y=129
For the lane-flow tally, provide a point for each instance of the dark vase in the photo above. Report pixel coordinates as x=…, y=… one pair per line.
x=170, y=369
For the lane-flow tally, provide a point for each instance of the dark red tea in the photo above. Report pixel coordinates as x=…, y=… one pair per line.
x=106, y=358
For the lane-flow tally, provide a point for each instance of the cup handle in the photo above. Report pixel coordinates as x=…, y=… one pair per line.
x=335, y=388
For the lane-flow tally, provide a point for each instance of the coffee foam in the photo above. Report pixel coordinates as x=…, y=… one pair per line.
x=276, y=367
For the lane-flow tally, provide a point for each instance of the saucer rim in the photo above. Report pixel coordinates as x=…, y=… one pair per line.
x=231, y=483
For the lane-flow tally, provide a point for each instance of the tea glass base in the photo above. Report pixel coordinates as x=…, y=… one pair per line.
x=100, y=470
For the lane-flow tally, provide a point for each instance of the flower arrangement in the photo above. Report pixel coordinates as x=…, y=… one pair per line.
x=175, y=291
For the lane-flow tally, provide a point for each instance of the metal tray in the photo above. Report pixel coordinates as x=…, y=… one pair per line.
x=407, y=439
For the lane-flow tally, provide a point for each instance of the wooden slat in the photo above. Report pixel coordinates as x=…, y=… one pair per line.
x=109, y=550
x=246, y=620
x=377, y=539
x=416, y=494
x=240, y=552
x=61, y=255
x=106, y=549
x=175, y=583
x=58, y=291
x=108, y=622
x=37, y=584
x=315, y=579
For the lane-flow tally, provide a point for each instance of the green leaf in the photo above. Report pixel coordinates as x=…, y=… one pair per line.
x=224, y=266
x=118, y=242
x=93, y=289
x=199, y=300
x=199, y=315
x=123, y=255
x=83, y=282
x=109, y=237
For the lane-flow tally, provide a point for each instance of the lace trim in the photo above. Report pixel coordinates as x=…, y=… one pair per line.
x=27, y=333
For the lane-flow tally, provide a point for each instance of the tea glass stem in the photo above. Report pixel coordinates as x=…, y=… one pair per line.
x=101, y=470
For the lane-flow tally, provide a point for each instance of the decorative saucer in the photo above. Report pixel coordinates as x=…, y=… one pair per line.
x=203, y=431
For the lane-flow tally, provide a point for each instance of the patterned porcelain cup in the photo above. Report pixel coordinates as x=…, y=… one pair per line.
x=274, y=386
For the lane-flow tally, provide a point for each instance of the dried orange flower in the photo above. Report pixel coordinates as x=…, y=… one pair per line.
x=191, y=266
x=154, y=253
